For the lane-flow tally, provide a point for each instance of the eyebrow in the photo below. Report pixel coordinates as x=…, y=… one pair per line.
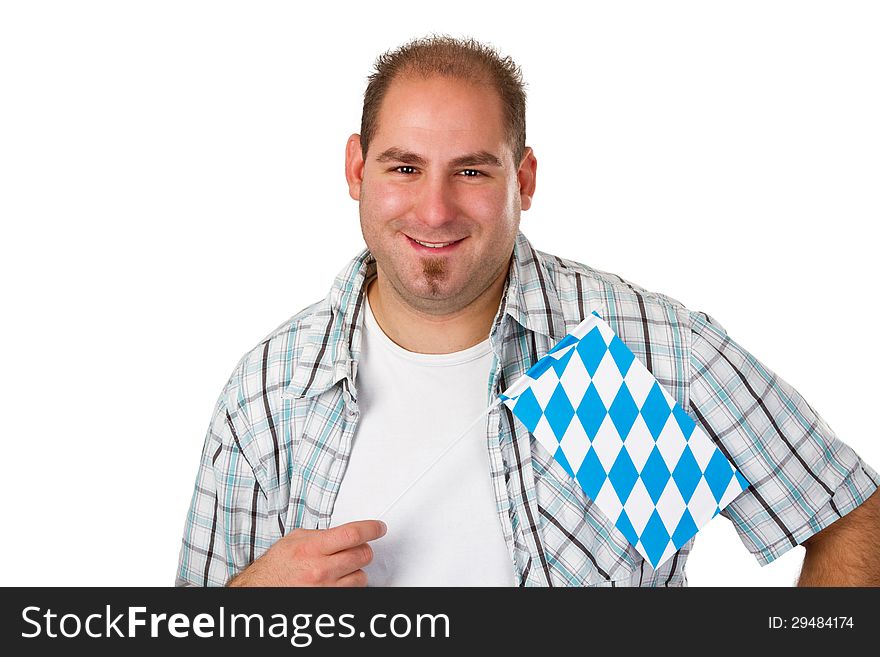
x=477, y=158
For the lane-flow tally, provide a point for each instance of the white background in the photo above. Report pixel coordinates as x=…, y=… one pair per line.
x=171, y=189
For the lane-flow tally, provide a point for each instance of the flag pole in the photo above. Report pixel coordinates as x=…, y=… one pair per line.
x=438, y=459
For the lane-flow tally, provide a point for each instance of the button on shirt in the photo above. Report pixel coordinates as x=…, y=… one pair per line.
x=282, y=432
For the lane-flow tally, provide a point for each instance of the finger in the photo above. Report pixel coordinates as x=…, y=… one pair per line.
x=347, y=561
x=357, y=578
x=350, y=534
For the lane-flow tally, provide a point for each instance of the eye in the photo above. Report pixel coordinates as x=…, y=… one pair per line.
x=472, y=173
x=405, y=166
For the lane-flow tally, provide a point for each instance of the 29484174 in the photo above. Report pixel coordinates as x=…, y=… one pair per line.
x=810, y=622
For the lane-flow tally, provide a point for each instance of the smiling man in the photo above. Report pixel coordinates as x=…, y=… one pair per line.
x=327, y=421
x=440, y=201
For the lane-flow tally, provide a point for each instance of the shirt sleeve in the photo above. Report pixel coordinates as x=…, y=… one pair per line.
x=802, y=476
x=203, y=560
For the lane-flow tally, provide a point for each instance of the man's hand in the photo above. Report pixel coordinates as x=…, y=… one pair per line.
x=316, y=557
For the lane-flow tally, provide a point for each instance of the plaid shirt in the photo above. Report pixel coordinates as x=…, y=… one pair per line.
x=282, y=431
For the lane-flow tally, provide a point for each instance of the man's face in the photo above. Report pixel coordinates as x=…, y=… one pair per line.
x=440, y=169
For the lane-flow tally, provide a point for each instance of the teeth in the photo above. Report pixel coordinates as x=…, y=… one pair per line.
x=433, y=246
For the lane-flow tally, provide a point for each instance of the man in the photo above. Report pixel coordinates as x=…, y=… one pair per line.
x=325, y=424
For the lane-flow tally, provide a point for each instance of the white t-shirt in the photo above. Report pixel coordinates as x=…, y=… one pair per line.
x=445, y=531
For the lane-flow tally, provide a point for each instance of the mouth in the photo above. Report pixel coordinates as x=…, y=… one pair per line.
x=434, y=248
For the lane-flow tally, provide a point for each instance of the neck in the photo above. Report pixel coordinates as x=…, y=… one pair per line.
x=422, y=333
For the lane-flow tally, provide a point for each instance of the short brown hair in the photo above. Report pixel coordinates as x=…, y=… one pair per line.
x=463, y=59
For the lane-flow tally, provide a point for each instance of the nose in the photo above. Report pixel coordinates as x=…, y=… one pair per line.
x=435, y=204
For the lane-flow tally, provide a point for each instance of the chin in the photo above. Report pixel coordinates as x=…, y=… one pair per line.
x=425, y=292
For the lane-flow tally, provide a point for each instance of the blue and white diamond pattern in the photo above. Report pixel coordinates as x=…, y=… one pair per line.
x=635, y=452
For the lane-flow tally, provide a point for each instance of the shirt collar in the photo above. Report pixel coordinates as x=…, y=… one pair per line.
x=332, y=342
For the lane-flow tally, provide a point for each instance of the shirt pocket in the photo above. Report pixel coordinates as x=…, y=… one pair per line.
x=582, y=546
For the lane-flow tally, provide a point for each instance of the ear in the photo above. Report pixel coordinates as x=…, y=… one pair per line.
x=354, y=166
x=526, y=177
